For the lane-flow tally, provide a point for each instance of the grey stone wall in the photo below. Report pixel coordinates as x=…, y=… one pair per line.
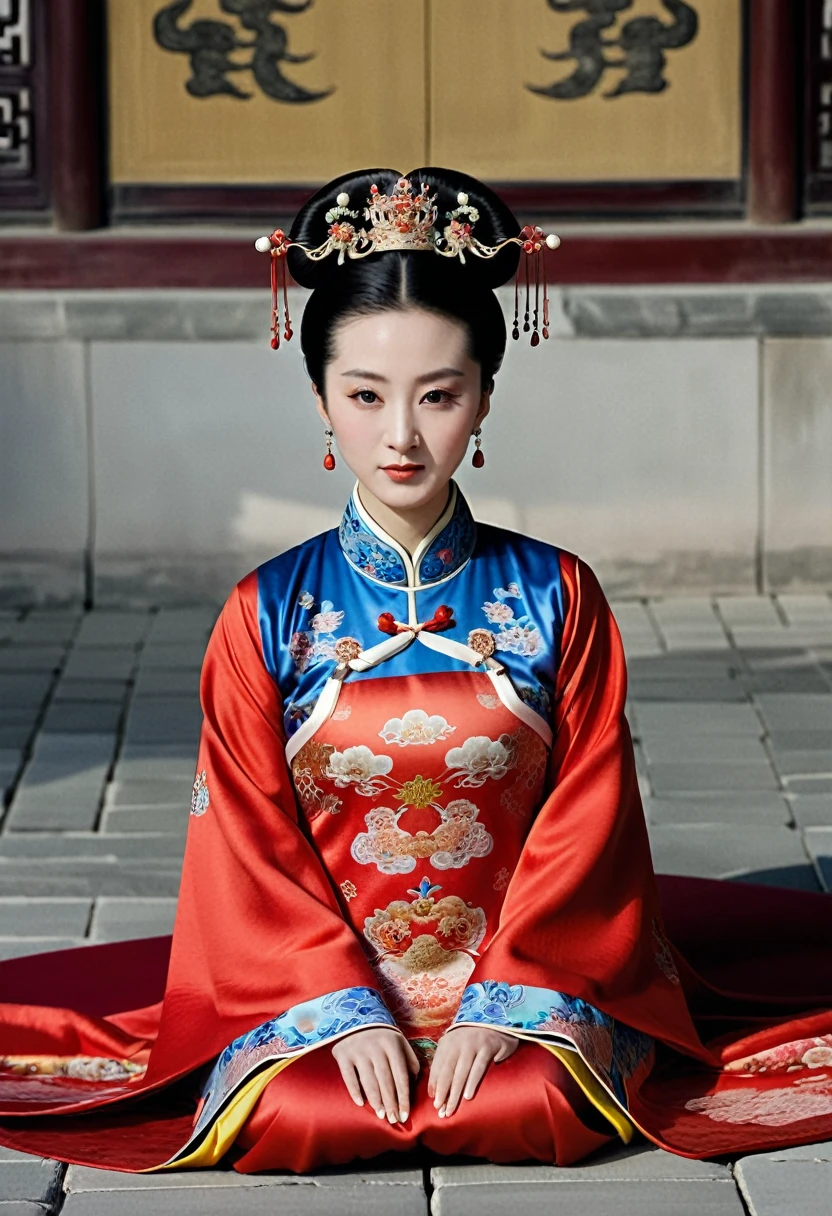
x=153, y=448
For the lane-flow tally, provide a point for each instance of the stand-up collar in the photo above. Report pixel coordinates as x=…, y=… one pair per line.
x=442, y=552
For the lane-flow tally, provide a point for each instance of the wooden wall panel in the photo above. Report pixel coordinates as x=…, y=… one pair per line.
x=485, y=120
x=367, y=52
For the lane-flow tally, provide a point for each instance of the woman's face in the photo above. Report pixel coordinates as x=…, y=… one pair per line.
x=402, y=394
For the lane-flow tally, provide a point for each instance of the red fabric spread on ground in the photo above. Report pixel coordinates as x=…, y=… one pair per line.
x=259, y=929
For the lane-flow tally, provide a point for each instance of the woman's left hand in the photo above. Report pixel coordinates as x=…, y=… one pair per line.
x=463, y=1055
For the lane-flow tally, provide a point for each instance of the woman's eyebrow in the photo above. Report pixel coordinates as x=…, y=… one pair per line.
x=435, y=375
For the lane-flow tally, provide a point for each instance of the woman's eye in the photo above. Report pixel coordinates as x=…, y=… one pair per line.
x=444, y=396
x=365, y=392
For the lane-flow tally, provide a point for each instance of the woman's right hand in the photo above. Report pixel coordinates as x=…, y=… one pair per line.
x=376, y=1061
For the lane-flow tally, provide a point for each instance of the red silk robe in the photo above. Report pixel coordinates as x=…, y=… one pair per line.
x=696, y=1012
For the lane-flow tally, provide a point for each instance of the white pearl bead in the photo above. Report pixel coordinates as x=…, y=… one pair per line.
x=263, y=244
x=552, y=241
x=343, y=199
x=462, y=199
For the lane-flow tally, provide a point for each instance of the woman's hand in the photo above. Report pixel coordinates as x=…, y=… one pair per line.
x=376, y=1060
x=461, y=1060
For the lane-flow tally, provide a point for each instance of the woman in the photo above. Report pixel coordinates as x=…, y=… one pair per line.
x=417, y=903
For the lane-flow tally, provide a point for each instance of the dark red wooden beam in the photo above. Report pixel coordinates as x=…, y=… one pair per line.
x=743, y=254
x=772, y=111
x=75, y=48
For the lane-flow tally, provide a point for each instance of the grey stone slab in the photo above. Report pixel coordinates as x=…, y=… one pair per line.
x=637, y=1162
x=808, y=785
x=101, y=663
x=184, y=624
x=160, y=719
x=697, y=719
x=820, y=1150
x=362, y=1192
x=16, y=734
x=686, y=690
x=20, y=917
x=164, y=820
x=799, y=608
x=152, y=762
x=63, y=846
x=12, y=1154
x=808, y=679
x=702, y=749
x=24, y=688
x=176, y=655
x=805, y=763
x=58, y=754
x=91, y=877
x=58, y=804
x=799, y=740
x=21, y=1207
x=102, y=628
x=689, y=1198
x=117, y=920
x=150, y=792
x=682, y=665
x=749, y=610
x=43, y=456
x=740, y=808
x=819, y=844
x=811, y=810
x=772, y=856
x=83, y=717
x=46, y=627
x=31, y=658
x=33, y=1180
x=712, y=776
x=98, y=691
x=785, y=1188
x=20, y=947
x=165, y=681
x=783, y=712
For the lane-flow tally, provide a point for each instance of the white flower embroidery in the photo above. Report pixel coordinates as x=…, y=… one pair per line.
x=519, y=639
x=478, y=759
x=416, y=727
x=818, y=1057
x=306, y=599
x=341, y=714
x=326, y=621
x=767, y=1107
x=488, y=700
x=358, y=766
x=498, y=612
x=512, y=591
x=200, y=798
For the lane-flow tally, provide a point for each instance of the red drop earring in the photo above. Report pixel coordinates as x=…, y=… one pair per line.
x=329, y=459
x=478, y=459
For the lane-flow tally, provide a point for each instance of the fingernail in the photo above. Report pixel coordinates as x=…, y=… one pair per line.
x=442, y=1112
x=392, y=1118
x=403, y=1114
x=381, y=1112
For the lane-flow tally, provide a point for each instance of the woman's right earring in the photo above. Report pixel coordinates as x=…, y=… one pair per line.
x=478, y=459
x=329, y=459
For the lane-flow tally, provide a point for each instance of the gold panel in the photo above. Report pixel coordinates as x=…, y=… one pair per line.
x=484, y=120
x=367, y=51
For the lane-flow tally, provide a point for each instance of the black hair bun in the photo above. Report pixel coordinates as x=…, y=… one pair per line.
x=495, y=223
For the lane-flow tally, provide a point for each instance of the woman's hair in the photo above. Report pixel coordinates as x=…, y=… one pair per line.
x=398, y=279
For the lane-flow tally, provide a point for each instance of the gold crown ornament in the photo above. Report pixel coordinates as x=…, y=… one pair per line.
x=404, y=220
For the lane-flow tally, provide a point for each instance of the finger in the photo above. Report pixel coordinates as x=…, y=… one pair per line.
x=478, y=1070
x=413, y=1061
x=507, y=1048
x=384, y=1076
x=351, y=1081
x=441, y=1073
x=369, y=1084
x=401, y=1081
x=463, y=1067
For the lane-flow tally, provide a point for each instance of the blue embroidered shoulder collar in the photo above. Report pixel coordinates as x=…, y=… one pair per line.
x=444, y=551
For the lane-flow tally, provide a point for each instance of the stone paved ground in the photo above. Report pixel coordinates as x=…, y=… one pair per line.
x=731, y=708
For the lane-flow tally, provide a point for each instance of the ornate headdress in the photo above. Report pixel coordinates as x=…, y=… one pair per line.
x=404, y=220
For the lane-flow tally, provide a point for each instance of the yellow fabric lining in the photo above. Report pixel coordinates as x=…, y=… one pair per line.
x=593, y=1089
x=223, y=1131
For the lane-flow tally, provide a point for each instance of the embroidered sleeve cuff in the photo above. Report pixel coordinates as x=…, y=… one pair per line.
x=299, y=1029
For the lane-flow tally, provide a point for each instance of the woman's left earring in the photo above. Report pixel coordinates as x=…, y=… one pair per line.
x=478, y=459
x=329, y=459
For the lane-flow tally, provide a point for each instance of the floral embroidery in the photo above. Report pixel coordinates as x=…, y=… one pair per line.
x=423, y=975
x=664, y=955
x=341, y=714
x=480, y=758
x=488, y=700
x=200, y=798
x=358, y=766
x=501, y=879
x=420, y=792
x=483, y=641
x=308, y=768
x=521, y=796
x=453, y=842
x=768, y=1107
x=79, y=1068
x=349, y=889
x=318, y=642
x=516, y=634
x=787, y=1057
x=416, y=726
x=537, y=697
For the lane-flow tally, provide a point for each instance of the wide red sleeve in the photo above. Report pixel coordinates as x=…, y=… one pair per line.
x=581, y=914
x=258, y=928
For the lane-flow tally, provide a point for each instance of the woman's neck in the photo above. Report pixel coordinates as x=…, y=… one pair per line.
x=408, y=527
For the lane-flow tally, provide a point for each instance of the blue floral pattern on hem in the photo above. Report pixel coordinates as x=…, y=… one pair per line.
x=612, y=1049
x=295, y=1031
